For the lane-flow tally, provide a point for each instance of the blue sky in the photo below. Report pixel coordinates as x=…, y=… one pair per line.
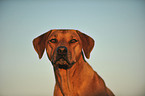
x=118, y=28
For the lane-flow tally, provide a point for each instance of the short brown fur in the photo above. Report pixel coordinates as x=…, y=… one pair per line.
x=77, y=78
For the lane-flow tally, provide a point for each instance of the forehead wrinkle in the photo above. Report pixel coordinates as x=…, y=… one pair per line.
x=72, y=34
x=53, y=35
x=64, y=34
x=64, y=31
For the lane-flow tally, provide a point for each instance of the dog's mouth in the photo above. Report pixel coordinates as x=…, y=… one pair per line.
x=63, y=63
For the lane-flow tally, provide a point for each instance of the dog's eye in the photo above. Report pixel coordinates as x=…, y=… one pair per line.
x=73, y=41
x=53, y=40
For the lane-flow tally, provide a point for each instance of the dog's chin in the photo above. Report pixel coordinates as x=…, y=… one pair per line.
x=62, y=64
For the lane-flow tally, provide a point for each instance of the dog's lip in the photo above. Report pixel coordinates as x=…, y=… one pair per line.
x=61, y=58
x=65, y=65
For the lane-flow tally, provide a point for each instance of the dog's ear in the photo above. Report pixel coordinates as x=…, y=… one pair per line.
x=39, y=43
x=87, y=43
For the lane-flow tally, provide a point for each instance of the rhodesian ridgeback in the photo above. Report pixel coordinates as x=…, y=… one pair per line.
x=66, y=50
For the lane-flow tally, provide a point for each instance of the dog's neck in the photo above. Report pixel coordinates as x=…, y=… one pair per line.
x=66, y=78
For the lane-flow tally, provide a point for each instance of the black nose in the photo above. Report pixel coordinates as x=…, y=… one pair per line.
x=62, y=50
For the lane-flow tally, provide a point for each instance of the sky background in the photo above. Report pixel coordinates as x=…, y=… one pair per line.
x=117, y=26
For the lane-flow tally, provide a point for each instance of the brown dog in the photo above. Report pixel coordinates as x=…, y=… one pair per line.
x=74, y=76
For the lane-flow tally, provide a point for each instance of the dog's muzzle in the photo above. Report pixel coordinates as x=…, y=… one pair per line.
x=62, y=58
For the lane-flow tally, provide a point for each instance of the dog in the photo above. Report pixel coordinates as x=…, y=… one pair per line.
x=67, y=49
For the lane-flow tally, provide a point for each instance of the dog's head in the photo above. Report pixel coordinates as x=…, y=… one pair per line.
x=63, y=47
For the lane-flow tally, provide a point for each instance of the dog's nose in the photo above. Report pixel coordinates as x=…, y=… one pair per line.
x=62, y=50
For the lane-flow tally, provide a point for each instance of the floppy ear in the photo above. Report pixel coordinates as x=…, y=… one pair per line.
x=39, y=43
x=87, y=43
